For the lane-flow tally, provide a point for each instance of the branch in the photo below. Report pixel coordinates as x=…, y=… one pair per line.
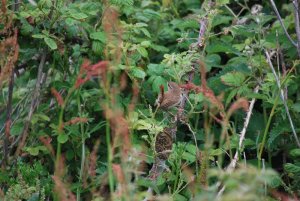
x=297, y=25
x=33, y=105
x=282, y=98
x=233, y=163
x=282, y=25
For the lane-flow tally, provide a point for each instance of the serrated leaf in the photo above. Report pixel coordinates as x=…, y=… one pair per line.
x=295, y=153
x=142, y=51
x=51, y=43
x=138, y=73
x=146, y=43
x=291, y=168
x=62, y=138
x=142, y=125
x=277, y=130
x=155, y=69
x=146, y=32
x=233, y=79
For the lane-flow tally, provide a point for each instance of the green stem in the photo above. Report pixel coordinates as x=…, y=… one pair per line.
x=177, y=177
x=82, y=149
x=109, y=159
x=266, y=131
x=59, y=131
x=60, y=126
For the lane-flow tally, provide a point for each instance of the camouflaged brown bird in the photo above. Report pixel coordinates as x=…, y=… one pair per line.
x=163, y=149
x=164, y=142
x=171, y=98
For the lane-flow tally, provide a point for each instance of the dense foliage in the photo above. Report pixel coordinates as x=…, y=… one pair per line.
x=79, y=82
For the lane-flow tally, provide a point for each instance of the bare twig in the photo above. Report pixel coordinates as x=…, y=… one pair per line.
x=281, y=23
x=203, y=26
x=233, y=163
x=297, y=25
x=33, y=105
x=282, y=98
x=283, y=67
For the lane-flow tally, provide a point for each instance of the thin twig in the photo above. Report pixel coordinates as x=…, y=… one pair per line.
x=281, y=23
x=297, y=25
x=283, y=67
x=233, y=163
x=33, y=105
x=282, y=98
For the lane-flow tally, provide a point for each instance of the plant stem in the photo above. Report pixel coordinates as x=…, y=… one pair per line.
x=82, y=148
x=109, y=159
x=60, y=126
x=266, y=130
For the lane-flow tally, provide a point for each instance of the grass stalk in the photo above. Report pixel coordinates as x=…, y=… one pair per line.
x=261, y=148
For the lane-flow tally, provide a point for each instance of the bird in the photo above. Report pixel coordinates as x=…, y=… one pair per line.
x=164, y=142
x=171, y=98
x=163, y=148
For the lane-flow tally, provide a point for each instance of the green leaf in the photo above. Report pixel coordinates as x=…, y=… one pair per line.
x=146, y=43
x=233, y=79
x=157, y=82
x=219, y=46
x=39, y=36
x=34, y=151
x=159, y=48
x=99, y=35
x=180, y=197
x=138, y=73
x=70, y=21
x=34, y=197
x=146, y=32
x=296, y=107
x=291, y=168
x=70, y=154
x=295, y=153
x=215, y=152
x=142, y=125
x=78, y=16
x=155, y=69
x=17, y=129
x=222, y=2
x=51, y=43
x=142, y=51
x=43, y=117
x=189, y=157
x=62, y=138
x=97, y=47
